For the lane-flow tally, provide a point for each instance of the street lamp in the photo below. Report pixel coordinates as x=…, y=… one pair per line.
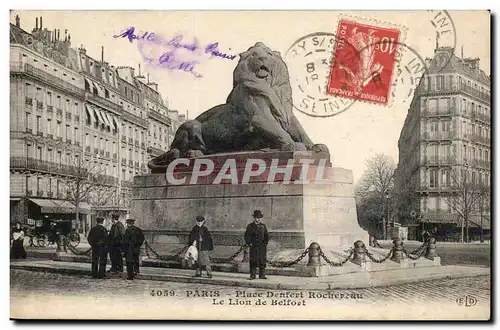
x=387, y=196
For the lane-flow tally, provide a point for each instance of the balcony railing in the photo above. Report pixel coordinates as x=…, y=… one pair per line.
x=39, y=105
x=29, y=101
x=143, y=145
x=136, y=143
x=124, y=162
x=455, y=88
x=443, y=135
x=28, y=69
x=29, y=130
x=59, y=111
x=68, y=141
x=101, y=153
x=87, y=148
x=50, y=194
x=440, y=160
x=159, y=117
x=115, y=156
x=32, y=164
x=481, y=139
x=103, y=102
x=39, y=133
x=127, y=184
x=124, y=138
x=29, y=192
x=50, y=136
x=137, y=165
x=50, y=108
x=68, y=115
x=131, y=163
x=480, y=163
x=135, y=119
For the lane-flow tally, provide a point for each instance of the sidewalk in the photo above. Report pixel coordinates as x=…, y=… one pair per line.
x=274, y=282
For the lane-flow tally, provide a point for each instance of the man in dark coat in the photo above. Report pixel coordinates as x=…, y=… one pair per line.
x=201, y=238
x=257, y=237
x=97, y=239
x=115, y=240
x=132, y=242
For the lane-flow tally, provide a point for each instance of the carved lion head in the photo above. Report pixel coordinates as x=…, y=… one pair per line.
x=262, y=65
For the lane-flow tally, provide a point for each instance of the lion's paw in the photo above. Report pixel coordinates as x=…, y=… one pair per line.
x=193, y=153
x=320, y=148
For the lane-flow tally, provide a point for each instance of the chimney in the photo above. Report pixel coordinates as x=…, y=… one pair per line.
x=18, y=21
x=58, y=34
x=102, y=53
x=148, y=78
x=36, y=26
x=139, y=69
x=65, y=35
x=40, y=22
x=55, y=35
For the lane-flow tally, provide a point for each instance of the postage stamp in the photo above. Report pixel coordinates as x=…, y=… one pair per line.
x=364, y=61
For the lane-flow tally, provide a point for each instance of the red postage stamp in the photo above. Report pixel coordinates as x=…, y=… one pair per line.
x=363, y=62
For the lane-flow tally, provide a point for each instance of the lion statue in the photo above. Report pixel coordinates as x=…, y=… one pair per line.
x=257, y=115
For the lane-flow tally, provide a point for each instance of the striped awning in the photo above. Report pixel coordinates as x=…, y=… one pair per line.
x=89, y=112
x=106, y=119
x=110, y=120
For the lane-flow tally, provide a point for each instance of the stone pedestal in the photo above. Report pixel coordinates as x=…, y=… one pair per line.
x=296, y=213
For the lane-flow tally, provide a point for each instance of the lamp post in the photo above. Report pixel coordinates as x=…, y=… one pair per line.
x=388, y=215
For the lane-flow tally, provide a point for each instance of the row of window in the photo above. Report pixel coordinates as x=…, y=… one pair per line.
x=442, y=82
x=445, y=204
x=444, y=104
x=445, y=177
x=467, y=128
x=57, y=130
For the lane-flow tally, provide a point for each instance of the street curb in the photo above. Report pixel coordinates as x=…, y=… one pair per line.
x=261, y=284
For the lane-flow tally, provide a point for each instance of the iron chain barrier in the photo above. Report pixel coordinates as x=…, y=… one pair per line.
x=156, y=255
x=417, y=253
x=74, y=250
x=231, y=258
x=378, y=261
x=283, y=264
x=421, y=247
x=337, y=264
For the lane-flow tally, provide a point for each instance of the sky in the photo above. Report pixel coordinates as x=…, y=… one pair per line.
x=353, y=136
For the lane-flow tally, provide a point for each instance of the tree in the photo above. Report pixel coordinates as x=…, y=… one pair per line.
x=103, y=195
x=85, y=179
x=466, y=196
x=373, y=191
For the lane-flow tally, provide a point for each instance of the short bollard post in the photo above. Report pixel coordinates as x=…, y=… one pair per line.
x=245, y=255
x=60, y=246
x=359, y=253
x=430, y=253
x=397, y=253
x=314, y=255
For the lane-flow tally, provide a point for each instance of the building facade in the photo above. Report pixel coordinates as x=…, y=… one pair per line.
x=445, y=148
x=71, y=113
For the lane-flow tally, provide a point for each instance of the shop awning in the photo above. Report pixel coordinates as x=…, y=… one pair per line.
x=99, y=116
x=46, y=205
x=90, y=112
x=106, y=119
x=15, y=199
x=116, y=123
x=110, y=121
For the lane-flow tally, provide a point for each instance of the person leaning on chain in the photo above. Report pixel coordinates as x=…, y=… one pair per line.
x=132, y=242
x=97, y=239
x=201, y=238
x=257, y=237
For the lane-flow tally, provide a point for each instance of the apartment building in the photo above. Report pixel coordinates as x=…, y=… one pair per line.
x=445, y=143
x=69, y=109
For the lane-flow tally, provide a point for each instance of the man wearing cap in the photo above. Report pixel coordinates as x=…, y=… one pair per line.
x=201, y=238
x=97, y=239
x=257, y=237
x=132, y=242
x=115, y=239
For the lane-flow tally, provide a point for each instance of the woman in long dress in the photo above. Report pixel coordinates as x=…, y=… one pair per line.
x=17, y=250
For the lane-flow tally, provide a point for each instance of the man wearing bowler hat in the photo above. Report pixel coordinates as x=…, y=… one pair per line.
x=257, y=237
x=201, y=238
x=132, y=242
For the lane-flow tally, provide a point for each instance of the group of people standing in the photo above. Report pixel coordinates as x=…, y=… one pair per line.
x=116, y=242
x=256, y=238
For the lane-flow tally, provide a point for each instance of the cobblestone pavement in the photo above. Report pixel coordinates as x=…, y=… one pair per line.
x=446, y=290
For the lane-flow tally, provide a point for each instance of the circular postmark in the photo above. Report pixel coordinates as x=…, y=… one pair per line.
x=309, y=62
x=445, y=37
